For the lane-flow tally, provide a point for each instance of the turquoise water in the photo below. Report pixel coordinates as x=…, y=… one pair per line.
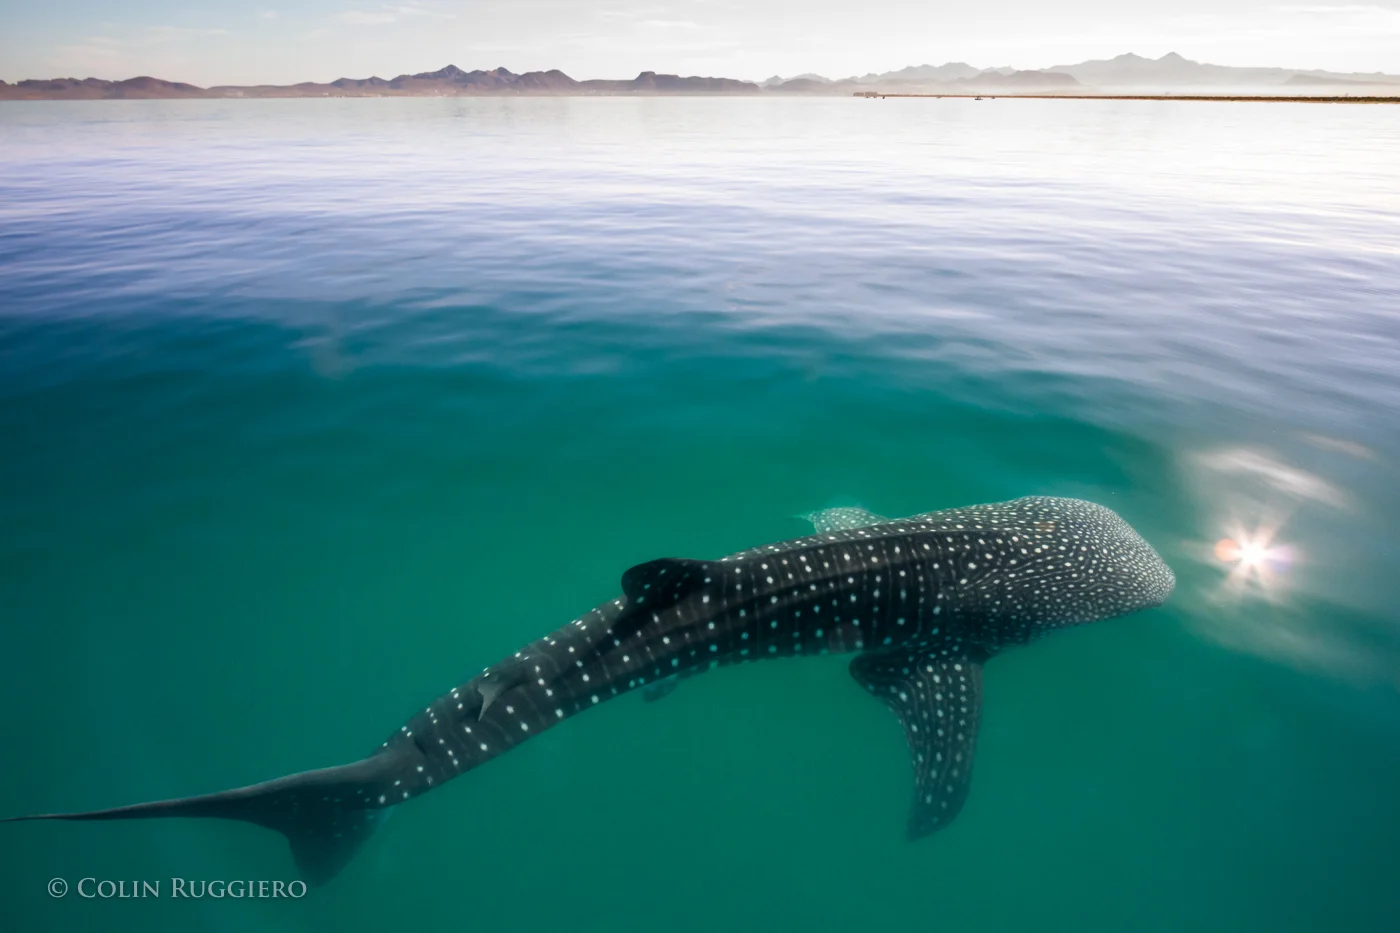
x=312, y=409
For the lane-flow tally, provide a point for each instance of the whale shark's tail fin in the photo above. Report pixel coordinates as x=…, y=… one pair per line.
x=325, y=814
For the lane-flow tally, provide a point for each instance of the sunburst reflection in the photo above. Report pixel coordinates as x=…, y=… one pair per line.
x=1257, y=560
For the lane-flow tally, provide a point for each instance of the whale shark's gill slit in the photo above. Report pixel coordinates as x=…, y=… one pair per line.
x=938, y=700
x=325, y=814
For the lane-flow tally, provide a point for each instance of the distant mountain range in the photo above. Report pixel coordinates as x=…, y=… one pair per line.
x=952, y=78
x=1126, y=72
x=1173, y=71
x=445, y=82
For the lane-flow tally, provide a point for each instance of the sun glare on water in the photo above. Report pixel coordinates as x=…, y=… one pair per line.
x=1255, y=559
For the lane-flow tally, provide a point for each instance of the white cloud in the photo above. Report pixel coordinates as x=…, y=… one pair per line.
x=388, y=13
x=1338, y=10
x=173, y=33
x=119, y=57
x=95, y=55
x=633, y=14
x=366, y=17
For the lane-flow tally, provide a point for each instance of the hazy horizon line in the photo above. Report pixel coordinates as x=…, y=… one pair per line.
x=751, y=80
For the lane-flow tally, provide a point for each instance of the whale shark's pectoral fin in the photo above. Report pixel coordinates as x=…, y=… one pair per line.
x=842, y=519
x=938, y=700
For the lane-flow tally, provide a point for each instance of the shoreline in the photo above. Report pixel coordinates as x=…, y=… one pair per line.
x=867, y=95
x=1224, y=98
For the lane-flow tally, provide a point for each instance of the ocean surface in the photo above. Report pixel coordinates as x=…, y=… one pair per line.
x=311, y=409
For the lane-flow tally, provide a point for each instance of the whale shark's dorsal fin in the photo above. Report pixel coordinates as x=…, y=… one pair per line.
x=844, y=518
x=656, y=585
x=938, y=700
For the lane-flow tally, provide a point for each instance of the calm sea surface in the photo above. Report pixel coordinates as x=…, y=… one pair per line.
x=311, y=409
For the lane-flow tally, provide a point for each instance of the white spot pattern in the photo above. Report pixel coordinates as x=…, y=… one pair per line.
x=970, y=582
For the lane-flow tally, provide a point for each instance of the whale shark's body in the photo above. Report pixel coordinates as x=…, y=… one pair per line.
x=924, y=601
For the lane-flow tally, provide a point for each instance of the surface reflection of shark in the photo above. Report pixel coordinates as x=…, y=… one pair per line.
x=923, y=601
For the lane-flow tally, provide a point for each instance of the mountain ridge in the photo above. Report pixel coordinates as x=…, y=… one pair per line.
x=1127, y=71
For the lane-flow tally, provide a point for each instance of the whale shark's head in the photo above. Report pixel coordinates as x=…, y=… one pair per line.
x=1082, y=562
x=1047, y=562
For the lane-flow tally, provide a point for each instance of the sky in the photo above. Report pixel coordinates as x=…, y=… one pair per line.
x=209, y=42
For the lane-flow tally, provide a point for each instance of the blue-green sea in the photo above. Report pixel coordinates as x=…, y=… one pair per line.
x=312, y=409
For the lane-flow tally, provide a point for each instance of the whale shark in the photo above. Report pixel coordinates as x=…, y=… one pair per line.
x=922, y=602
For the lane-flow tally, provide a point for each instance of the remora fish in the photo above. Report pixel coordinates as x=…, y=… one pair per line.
x=925, y=601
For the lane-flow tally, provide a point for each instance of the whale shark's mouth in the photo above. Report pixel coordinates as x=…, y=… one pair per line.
x=1165, y=583
x=1155, y=577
